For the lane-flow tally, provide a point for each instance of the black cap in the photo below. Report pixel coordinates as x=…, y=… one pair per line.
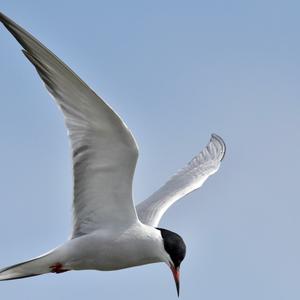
x=174, y=246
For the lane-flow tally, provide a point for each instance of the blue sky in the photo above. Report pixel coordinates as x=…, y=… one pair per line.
x=176, y=72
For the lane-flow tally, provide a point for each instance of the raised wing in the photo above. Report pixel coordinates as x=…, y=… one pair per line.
x=104, y=151
x=191, y=177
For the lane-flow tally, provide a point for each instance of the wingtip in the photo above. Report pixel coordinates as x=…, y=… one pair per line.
x=4, y=19
x=2, y=15
x=221, y=142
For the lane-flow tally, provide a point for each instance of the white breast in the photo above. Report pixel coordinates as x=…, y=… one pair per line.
x=110, y=250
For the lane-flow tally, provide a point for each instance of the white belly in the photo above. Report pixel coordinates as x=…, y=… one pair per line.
x=105, y=251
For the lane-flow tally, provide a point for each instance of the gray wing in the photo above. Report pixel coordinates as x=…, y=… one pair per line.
x=191, y=177
x=104, y=150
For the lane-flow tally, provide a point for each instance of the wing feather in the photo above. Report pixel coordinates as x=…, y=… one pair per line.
x=104, y=150
x=191, y=177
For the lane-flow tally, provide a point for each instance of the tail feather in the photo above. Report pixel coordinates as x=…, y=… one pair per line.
x=36, y=266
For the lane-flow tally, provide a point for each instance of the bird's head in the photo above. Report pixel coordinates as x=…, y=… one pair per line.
x=175, y=249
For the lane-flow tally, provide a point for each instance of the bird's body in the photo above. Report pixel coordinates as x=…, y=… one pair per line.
x=109, y=232
x=103, y=250
x=108, y=250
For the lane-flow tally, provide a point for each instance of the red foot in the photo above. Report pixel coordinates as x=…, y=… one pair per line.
x=57, y=268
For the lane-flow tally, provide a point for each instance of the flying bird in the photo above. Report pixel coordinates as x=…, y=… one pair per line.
x=109, y=231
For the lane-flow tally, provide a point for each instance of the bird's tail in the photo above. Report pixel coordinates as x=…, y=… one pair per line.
x=36, y=266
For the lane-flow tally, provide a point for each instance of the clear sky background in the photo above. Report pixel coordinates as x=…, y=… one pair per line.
x=176, y=71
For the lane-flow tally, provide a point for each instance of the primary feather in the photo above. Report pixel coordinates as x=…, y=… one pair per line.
x=104, y=150
x=191, y=177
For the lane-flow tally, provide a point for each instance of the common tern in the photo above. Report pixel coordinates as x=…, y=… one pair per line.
x=109, y=231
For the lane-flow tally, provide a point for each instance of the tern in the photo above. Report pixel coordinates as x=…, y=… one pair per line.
x=109, y=231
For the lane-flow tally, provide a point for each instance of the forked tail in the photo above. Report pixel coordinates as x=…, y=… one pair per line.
x=37, y=266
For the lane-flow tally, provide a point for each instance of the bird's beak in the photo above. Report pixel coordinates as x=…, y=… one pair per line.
x=176, y=275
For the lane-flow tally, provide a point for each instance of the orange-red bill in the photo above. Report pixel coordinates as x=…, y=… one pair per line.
x=176, y=275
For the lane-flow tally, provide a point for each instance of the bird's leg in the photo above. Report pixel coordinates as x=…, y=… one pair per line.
x=57, y=268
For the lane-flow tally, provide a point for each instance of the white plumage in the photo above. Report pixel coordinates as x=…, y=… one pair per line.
x=191, y=177
x=108, y=231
